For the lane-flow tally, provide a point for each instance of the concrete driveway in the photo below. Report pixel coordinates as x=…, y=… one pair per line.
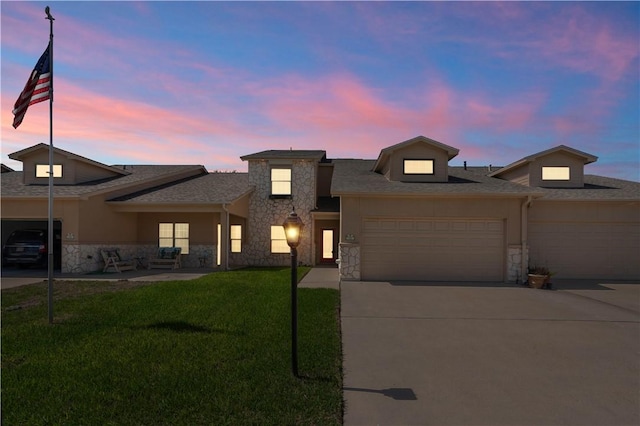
x=491, y=354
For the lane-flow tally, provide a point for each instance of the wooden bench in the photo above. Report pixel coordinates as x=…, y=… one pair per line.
x=112, y=259
x=167, y=257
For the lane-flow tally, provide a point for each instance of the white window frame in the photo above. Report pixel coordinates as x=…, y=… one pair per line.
x=280, y=182
x=279, y=240
x=418, y=166
x=42, y=170
x=556, y=173
x=235, y=237
x=170, y=237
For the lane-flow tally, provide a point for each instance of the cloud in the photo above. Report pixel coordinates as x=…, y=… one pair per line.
x=114, y=105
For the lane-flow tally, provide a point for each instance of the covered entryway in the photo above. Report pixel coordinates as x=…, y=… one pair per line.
x=326, y=237
x=433, y=249
x=586, y=249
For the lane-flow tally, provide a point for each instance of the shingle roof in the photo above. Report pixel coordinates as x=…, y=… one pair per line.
x=275, y=154
x=596, y=188
x=13, y=186
x=357, y=177
x=212, y=188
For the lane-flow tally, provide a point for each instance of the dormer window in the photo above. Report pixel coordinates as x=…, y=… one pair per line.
x=418, y=167
x=42, y=170
x=281, y=181
x=556, y=173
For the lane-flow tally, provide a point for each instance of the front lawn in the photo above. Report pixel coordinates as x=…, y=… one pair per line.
x=215, y=350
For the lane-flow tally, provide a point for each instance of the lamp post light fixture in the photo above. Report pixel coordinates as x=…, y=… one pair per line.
x=292, y=229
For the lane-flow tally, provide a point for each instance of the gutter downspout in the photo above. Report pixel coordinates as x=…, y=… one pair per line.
x=524, y=234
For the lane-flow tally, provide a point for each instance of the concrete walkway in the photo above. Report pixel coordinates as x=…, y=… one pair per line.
x=16, y=277
x=490, y=354
x=321, y=277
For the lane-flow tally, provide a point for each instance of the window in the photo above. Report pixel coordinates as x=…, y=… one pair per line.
x=281, y=181
x=278, y=240
x=418, y=167
x=236, y=238
x=556, y=173
x=174, y=235
x=42, y=170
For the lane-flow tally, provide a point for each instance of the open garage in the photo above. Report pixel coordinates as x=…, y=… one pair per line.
x=11, y=225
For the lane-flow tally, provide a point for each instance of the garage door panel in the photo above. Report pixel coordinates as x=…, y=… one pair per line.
x=587, y=250
x=432, y=249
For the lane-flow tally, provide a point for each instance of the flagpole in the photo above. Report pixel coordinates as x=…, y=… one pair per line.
x=50, y=243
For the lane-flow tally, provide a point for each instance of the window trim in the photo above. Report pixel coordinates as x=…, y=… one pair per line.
x=554, y=170
x=272, y=181
x=185, y=248
x=42, y=171
x=432, y=161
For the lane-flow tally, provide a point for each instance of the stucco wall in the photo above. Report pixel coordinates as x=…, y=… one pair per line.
x=355, y=208
x=557, y=159
x=419, y=152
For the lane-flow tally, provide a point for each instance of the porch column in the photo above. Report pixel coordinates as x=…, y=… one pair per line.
x=224, y=239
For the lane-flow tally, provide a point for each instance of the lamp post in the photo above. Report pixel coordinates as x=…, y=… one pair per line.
x=292, y=229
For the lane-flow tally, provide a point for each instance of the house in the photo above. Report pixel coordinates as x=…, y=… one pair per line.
x=406, y=215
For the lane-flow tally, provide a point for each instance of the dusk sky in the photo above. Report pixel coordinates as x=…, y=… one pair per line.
x=207, y=82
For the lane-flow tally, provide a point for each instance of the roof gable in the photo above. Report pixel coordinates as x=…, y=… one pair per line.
x=434, y=155
x=530, y=170
x=75, y=168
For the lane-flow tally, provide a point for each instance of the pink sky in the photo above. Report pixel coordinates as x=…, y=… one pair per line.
x=533, y=76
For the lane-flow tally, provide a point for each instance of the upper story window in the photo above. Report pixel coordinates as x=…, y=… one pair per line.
x=556, y=173
x=418, y=167
x=281, y=181
x=42, y=170
x=174, y=235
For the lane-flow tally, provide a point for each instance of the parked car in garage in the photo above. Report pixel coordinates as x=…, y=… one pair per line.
x=26, y=247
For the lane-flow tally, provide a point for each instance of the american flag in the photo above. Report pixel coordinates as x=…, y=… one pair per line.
x=36, y=90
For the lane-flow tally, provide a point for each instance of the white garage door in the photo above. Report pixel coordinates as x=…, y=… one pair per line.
x=586, y=250
x=432, y=249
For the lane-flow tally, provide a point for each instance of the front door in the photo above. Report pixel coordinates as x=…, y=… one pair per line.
x=328, y=246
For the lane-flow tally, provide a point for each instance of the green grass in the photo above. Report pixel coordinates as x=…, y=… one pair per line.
x=215, y=350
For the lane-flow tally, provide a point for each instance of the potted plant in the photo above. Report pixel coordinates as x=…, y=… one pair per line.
x=539, y=277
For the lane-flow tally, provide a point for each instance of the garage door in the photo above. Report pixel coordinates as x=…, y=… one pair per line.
x=586, y=250
x=432, y=249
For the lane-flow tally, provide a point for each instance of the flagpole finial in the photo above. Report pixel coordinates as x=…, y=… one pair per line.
x=47, y=11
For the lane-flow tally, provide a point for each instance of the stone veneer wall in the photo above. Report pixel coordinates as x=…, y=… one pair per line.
x=514, y=264
x=349, y=261
x=81, y=259
x=265, y=211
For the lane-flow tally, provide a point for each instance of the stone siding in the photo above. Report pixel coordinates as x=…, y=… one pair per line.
x=514, y=264
x=85, y=258
x=266, y=211
x=349, y=261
